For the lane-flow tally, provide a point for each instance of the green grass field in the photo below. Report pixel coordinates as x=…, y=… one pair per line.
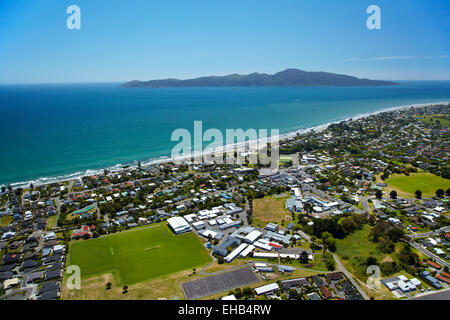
x=51, y=222
x=5, y=221
x=284, y=159
x=443, y=119
x=357, y=244
x=426, y=182
x=138, y=255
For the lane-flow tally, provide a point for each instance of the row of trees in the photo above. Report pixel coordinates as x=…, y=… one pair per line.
x=393, y=194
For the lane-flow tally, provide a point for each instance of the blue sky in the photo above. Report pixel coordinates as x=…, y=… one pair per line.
x=122, y=40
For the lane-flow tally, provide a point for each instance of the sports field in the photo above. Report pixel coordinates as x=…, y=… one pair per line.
x=426, y=182
x=443, y=119
x=139, y=254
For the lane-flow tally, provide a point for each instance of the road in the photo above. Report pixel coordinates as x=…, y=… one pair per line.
x=365, y=204
x=440, y=295
x=349, y=276
x=429, y=234
x=428, y=253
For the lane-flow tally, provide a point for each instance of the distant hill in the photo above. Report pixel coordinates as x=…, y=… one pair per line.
x=286, y=78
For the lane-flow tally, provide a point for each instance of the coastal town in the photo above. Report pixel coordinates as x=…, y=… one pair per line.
x=356, y=211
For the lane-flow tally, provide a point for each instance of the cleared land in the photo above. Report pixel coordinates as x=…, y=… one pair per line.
x=51, y=222
x=426, y=182
x=138, y=255
x=270, y=209
x=354, y=251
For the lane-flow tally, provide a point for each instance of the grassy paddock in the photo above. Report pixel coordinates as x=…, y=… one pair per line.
x=270, y=209
x=138, y=255
x=6, y=221
x=426, y=182
x=51, y=222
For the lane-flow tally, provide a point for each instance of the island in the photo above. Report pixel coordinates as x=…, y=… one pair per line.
x=286, y=78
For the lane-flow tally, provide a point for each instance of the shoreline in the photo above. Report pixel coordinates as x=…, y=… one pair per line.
x=236, y=146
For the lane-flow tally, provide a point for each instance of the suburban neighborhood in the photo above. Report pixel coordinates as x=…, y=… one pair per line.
x=356, y=211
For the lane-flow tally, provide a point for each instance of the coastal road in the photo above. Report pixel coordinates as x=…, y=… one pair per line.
x=349, y=276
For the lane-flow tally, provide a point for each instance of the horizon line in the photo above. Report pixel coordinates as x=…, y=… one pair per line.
x=121, y=82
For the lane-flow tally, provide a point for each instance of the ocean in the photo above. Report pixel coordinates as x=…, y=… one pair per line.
x=54, y=132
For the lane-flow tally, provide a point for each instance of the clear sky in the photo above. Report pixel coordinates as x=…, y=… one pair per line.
x=123, y=40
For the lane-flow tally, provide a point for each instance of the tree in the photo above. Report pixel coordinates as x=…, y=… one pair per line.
x=247, y=292
x=238, y=293
x=407, y=256
x=108, y=286
x=371, y=261
x=395, y=234
x=386, y=245
x=293, y=294
x=439, y=193
x=220, y=260
x=447, y=192
x=329, y=261
x=378, y=194
x=329, y=241
x=393, y=194
x=418, y=194
x=348, y=225
x=304, y=257
x=125, y=289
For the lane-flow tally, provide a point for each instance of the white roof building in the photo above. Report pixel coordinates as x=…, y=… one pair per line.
x=247, y=251
x=178, y=225
x=267, y=289
x=11, y=282
x=235, y=252
x=252, y=236
x=415, y=282
x=259, y=244
x=198, y=225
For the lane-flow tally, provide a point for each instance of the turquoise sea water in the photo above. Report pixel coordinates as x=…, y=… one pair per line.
x=50, y=131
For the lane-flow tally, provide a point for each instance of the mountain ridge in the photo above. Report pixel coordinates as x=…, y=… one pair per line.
x=286, y=78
